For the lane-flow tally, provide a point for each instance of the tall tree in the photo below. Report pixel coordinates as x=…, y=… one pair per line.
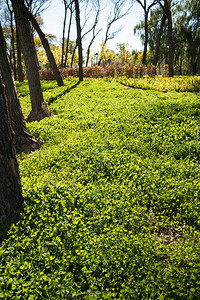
x=12, y=56
x=46, y=46
x=188, y=27
x=117, y=12
x=79, y=40
x=146, y=8
x=167, y=6
x=20, y=73
x=158, y=38
x=82, y=37
x=10, y=188
x=39, y=107
x=94, y=33
x=66, y=7
x=68, y=35
x=24, y=142
x=10, y=32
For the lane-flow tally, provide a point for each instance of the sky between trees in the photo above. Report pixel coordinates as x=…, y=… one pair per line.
x=53, y=22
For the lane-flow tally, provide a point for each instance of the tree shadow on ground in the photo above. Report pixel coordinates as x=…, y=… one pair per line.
x=5, y=227
x=68, y=90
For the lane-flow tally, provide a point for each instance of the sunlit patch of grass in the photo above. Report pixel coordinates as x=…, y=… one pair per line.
x=159, y=83
x=111, y=200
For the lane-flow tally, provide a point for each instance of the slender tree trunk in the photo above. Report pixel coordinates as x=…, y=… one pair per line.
x=194, y=67
x=156, y=57
x=24, y=142
x=180, y=67
x=10, y=188
x=104, y=43
x=170, y=41
x=63, y=37
x=93, y=37
x=144, y=57
x=13, y=46
x=88, y=52
x=46, y=46
x=20, y=74
x=73, y=54
x=68, y=35
x=79, y=41
x=39, y=107
x=89, y=46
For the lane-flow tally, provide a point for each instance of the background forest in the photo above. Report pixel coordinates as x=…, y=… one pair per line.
x=169, y=32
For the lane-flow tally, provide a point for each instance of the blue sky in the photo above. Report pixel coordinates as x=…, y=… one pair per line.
x=53, y=22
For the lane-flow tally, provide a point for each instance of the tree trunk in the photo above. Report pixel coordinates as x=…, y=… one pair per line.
x=73, y=54
x=194, y=67
x=10, y=189
x=45, y=44
x=20, y=74
x=144, y=57
x=13, y=46
x=156, y=57
x=39, y=107
x=93, y=37
x=88, y=52
x=170, y=41
x=63, y=38
x=79, y=41
x=24, y=142
x=68, y=35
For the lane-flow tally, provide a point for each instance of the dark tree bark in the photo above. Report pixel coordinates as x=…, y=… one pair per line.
x=73, y=53
x=167, y=11
x=170, y=40
x=12, y=46
x=10, y=189
x=68, y=35
x=39, y=107
x=146, y=35
x=146, y=9
x=46, y=46
x=79, y=41
x=156, y=57
x=194, y=66
x=63, y=36
x=14, y=67
x=20, y=74
x=24, y=142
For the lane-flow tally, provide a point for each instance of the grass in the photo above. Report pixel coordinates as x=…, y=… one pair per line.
x=111, y=200
x=177, y=83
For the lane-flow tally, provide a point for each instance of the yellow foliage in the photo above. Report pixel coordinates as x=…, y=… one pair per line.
x=57, y=53
x=140, y=54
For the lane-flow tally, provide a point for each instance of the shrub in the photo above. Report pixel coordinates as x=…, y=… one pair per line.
x=138, y=71
x=151, y=70
x=46, y=74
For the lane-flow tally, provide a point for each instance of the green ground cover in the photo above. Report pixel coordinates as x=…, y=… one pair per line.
x=177, y=83
x=111, y=200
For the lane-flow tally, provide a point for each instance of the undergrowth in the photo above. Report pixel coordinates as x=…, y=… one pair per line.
x=111, y=199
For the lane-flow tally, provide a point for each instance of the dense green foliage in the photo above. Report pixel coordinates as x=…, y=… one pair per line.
x=111, y=208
